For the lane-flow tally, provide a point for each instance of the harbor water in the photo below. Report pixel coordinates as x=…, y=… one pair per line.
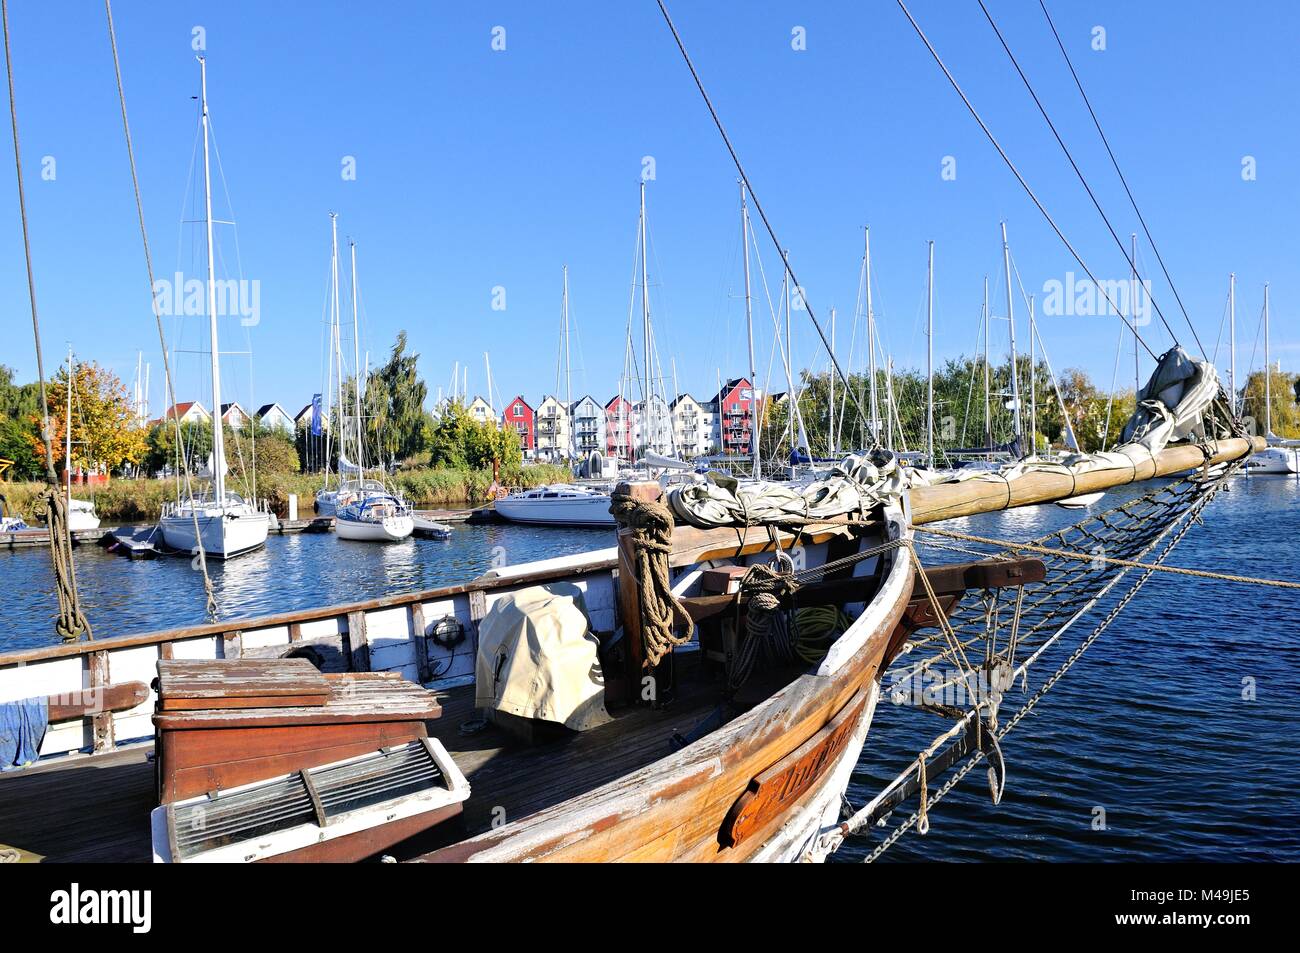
x=1172, y=739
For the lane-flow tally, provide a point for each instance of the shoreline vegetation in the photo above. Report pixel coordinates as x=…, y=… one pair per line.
x=124, y=500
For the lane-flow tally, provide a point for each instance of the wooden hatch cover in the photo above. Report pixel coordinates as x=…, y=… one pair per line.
x=779, y=786
x=185, y=685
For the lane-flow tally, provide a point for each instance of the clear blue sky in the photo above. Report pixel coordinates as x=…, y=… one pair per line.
x=477, y=169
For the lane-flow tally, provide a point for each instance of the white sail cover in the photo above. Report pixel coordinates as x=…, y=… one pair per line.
x=537, y=658
x=1171, y=408
x=347, y=466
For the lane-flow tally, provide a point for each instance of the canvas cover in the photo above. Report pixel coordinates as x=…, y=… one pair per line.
x=537, y=658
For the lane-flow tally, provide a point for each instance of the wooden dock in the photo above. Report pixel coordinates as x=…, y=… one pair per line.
x=105, y=535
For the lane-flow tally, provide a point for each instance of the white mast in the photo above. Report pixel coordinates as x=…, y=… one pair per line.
x=749, y=327
x=830, y=423
x=218, y=438
x=1232, y=342
x=67, y=428
x=487, y=366
x=568, y=367
x=338, y=343
x=1133, y=302
x=1033, y=384
x=1011, y=322
x=648, y=425
x=871, y=339
x=988, y=407
x=929, y=360
x=1268, y=373
x=356, y=364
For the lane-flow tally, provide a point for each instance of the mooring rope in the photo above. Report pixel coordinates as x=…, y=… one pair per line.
x=162, y=338
x=651, y=526
x=71, y=621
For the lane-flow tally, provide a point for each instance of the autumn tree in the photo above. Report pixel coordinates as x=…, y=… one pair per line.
x=105, y=432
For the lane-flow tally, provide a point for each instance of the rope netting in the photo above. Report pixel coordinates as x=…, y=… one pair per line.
x=996, y=637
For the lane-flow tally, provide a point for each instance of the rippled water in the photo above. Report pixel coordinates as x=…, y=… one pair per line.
x=124, y=596
x=1150, y=725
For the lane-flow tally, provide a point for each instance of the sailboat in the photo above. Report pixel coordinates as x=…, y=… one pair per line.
x=366, y=511
x=1280, y=456
x=564, y=504
x=222, y=522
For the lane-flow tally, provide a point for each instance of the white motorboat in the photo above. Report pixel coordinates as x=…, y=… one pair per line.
x=226, y=527
x=376, y=518
x=1274, y=460
x=82, y=515
x=558, y=505
x=1082, y=501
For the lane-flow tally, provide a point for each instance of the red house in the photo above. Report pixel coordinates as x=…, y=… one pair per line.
x=618, y=428
x=735, y=408
x=519, y=416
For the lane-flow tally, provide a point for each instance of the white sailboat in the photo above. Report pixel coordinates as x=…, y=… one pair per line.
x=1280, y=456
x=224, y=523
x=365, y=510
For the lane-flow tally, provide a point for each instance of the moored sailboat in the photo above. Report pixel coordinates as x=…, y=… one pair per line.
x=223, y=523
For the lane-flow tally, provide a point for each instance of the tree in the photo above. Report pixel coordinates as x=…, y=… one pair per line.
x=104, y=429
x=272, y=451
x=161, y=453
x=1282, y=402
x=394, y=406
x=458, y=441
x=17, y=401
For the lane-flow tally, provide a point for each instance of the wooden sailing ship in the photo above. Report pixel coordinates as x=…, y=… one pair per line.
x=691, y=767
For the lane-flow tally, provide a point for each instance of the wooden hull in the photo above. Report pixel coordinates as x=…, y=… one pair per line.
x=676, y=808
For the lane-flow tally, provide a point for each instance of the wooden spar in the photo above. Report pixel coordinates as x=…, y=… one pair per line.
x=954, y=500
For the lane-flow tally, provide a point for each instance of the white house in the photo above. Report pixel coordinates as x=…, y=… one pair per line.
x=652, y=426
x=234, y=416
x=587, y=418
x=692, y=427
x=189, y=412
x=481, y=410
x=552, y=423
x=273, y=417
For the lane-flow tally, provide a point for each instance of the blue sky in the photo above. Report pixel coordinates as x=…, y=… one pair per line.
x=478, y=169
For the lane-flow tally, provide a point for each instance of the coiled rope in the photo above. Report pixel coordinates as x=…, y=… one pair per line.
x=651, y=526
x=71, y=622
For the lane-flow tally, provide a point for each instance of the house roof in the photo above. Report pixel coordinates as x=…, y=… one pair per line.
x=615, y=399
x=679, y=398
x=227, y=408
x=304, y=412
x=267, y=408
x=520, y=400
x=180, y=410
x=731, y=385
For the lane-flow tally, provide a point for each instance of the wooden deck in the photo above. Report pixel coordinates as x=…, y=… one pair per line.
x=96, y=809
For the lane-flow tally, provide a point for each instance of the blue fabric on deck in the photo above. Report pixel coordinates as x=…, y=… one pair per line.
x=22, y=729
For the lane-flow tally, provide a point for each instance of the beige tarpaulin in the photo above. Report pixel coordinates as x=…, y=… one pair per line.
x=537, y=658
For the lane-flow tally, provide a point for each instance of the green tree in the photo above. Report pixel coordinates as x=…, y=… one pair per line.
x=1282, y=402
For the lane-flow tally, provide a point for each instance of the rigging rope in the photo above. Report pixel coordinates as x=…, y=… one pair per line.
x=1118, y=171
x=1108, y=560
x=1083, y=181
x=71, y=621
x=766, y=224
x=1021, y=179
x=162, y=339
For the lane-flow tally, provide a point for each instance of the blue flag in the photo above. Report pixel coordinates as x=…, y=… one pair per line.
x=315, y=415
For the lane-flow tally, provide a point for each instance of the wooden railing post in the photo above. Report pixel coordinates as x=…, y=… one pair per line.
x=629, y=589
x=102, y=735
